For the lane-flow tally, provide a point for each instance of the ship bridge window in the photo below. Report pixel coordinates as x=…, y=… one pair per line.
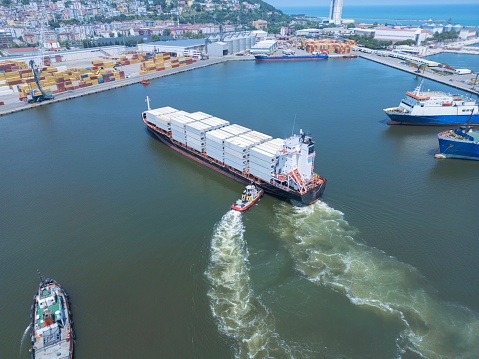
x=311, y=149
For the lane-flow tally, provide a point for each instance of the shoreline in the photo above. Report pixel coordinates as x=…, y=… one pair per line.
x=13, y=107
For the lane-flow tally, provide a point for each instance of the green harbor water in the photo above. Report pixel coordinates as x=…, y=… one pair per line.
x=385, y=266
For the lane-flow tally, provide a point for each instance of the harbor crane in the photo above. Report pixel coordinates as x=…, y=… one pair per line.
x=34, y=95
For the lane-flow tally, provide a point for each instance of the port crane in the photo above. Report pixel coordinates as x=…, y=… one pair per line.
x=34, y=96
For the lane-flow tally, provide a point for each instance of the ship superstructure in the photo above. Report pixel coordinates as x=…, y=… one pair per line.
x=283, y=168
x=433, y=108
x=52, y=333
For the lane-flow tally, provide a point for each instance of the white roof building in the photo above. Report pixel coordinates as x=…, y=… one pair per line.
x=389, y=34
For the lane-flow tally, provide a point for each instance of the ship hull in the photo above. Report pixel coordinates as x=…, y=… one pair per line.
x=454, y=148
x=307, y=198
x=290, y=58
x=64, y=344
x=437, y=120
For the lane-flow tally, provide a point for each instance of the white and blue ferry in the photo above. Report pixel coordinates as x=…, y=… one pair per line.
x=463, y=143
x=433, y=108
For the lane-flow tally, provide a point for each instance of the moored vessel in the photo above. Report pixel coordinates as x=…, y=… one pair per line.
x=250, y=196
x=52, y=332
x=462, y=143
x=433, y=108
x=261, y=57
x=282, y=168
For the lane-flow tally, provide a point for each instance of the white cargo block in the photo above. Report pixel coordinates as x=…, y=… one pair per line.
x=179, y=138
x=214, y=146
x=180, y=121
x=217, y=156
x=258, y=167
x=239, y=167
x=195, y=142
x=238, y=144
x=218, y=136
x=264, y=176
x=235, y=129
x=241, y=155
x=215, y=122
x=198, y=128
x=262, y=156
x=195, y=136
x=196, y=147
x=198, y=116
x=239, y=161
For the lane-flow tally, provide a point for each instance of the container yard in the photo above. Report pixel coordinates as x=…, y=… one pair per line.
x=80, y=78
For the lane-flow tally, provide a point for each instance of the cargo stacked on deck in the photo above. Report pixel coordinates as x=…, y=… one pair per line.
x=215, y=143
x=263, y=159
x=178, y=127
x=158, y=117
x=196, y=131
x=283, y=168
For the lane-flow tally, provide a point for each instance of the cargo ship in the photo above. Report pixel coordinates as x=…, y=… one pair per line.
x=52, y=332
x=463, y=144
x=433, y=108
x=262, y=57
x=282, y=168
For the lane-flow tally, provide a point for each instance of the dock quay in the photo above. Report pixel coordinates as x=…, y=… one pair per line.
x=456, y=81
x=13, y=105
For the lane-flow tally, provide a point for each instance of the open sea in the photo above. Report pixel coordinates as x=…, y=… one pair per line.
x=156, y=264
x=464, y=14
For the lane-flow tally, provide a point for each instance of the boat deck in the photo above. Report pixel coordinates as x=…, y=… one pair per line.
x=53, y=341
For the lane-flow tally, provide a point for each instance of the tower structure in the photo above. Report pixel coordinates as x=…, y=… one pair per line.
x=335, y=11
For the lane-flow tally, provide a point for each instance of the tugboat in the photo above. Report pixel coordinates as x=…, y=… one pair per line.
x=250, y=196
x=52, y=332
x=144, y=82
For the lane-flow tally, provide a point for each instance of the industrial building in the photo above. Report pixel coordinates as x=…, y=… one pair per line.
x=388, y=34
x=174, y=47
x=230, y=43
x=264, y=47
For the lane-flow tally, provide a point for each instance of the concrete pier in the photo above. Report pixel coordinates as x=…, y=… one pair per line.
x=455, y=81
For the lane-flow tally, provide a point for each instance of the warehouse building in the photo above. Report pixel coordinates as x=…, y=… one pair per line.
x=389, y=34
x=264, y=47
x=175, y=47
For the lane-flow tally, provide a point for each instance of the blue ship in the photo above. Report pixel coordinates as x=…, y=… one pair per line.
x=290, y=57
x=433, y=108
x=456, y=143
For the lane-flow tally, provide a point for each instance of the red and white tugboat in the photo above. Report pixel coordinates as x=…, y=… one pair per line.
x=250, y=196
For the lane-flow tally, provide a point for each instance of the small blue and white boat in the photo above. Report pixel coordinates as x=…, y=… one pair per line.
x=433, y=108
x=463, y=143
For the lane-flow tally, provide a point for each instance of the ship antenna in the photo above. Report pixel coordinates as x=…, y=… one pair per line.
x=39, y=274
x=148, y=102
x=292, y=132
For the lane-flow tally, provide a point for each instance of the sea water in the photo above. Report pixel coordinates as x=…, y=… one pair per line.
x=141, y=237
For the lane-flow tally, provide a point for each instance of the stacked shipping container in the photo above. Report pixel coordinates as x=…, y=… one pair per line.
x=263, y=159
x=233, y=145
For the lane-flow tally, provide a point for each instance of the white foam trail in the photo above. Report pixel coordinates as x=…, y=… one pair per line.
x=323, y=247
x=239, y=313
x=23, y=338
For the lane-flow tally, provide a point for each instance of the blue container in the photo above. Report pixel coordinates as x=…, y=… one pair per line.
x=100, y=81
x=112, y=79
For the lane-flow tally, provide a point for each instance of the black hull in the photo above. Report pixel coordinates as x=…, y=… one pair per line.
x=309, y=197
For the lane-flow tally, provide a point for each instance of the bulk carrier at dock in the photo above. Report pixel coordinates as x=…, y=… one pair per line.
x=283, y=168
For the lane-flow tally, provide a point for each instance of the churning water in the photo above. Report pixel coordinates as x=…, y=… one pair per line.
x=239, y=313
x=324, y=249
